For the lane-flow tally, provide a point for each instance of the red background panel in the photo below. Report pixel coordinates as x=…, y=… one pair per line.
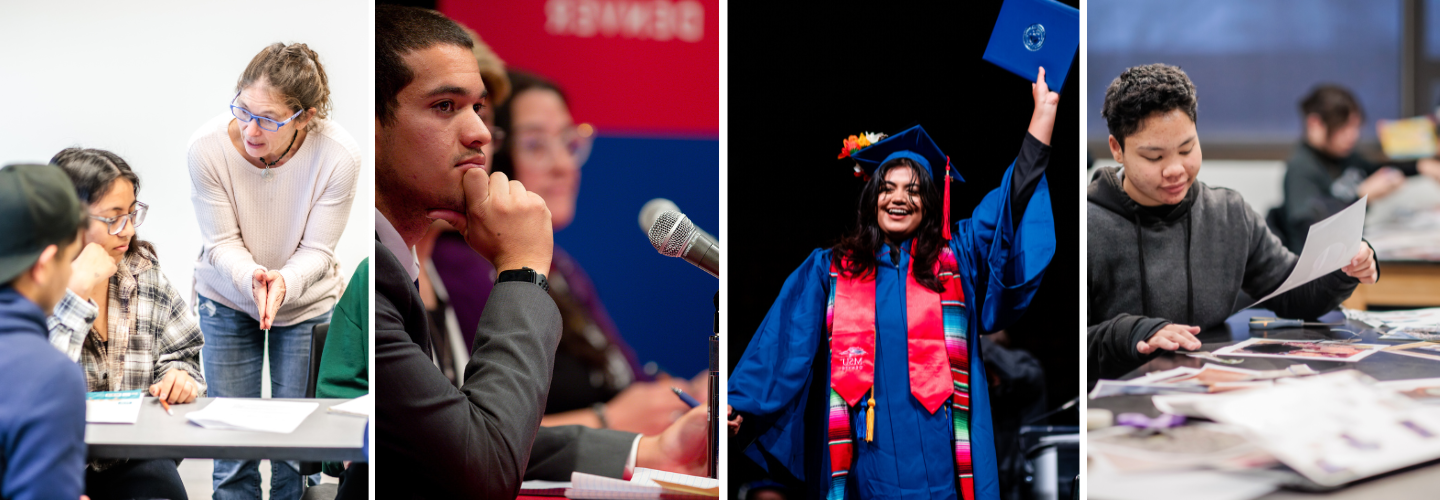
x=627, y=66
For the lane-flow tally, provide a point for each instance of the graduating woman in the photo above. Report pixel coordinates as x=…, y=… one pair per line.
x=887, y=320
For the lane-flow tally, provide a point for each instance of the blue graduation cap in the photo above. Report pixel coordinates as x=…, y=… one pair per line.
x=1029, y=34
x=915, y=145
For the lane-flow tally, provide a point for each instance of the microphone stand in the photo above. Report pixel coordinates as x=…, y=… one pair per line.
x=714, y=449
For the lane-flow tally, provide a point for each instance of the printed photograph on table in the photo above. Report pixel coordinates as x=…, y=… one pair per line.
x=1262, y=180
x=530, y=338
x=1271, y=348
x=187, y=308
x=894, y=311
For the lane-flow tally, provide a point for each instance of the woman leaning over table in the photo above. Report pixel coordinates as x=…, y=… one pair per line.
x=272, y=181
x=121, y=319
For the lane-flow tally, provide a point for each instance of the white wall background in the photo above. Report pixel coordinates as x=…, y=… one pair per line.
x=137, y=78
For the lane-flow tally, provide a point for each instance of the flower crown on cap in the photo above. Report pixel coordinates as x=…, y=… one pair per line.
x=855, y=143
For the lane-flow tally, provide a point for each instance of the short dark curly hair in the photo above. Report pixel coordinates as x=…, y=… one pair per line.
x=1141, y=91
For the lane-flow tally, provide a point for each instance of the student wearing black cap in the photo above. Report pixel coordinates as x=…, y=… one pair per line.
x=42, y=424
x=901, y=302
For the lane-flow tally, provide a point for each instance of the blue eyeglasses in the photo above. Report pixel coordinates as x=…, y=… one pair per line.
x=244, y=115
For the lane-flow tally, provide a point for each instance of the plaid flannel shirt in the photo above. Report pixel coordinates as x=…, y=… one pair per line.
x=150, y=330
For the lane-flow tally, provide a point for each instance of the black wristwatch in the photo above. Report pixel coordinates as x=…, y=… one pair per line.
x=524, y=274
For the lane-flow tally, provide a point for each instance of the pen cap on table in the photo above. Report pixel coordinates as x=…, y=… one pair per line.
x=1029, y=34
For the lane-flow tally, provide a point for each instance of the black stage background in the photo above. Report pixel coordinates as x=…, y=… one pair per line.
x=803, y=77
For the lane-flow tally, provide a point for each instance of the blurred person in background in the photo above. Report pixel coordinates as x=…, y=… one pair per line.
x=273, y=179
x=122, y=320
x=1326, y=173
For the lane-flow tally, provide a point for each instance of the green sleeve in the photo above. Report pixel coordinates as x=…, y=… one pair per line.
x=344, y=364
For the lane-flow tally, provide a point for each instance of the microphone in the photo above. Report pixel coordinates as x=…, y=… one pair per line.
x=653, y=208
x=673, y=235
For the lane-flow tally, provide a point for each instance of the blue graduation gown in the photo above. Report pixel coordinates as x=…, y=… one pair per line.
x=912, y=455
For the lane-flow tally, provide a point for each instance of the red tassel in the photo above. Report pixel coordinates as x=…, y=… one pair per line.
x=945, y=231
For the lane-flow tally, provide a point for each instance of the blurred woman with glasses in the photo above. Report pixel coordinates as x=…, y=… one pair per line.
x=122, y=320
x=597, y=381
x=272, y=181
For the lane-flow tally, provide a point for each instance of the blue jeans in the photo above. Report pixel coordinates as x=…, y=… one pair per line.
x=233, y=354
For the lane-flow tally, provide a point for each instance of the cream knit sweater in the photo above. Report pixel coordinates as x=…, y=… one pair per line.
x=290, y=222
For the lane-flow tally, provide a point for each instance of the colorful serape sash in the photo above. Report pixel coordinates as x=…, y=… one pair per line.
x=933, y=320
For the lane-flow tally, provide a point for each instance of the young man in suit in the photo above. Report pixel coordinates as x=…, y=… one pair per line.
x=484, y=437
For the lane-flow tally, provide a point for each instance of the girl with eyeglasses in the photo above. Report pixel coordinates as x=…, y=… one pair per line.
x=272, y=182
x=122, y=320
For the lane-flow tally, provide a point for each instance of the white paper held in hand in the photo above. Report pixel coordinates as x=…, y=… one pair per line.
x=253, y=415
x=1329, y=246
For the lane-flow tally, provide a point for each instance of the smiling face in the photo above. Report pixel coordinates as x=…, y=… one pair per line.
x=1161, y=159
x=263, y=100
x=898, y=208
x=435, y=137
x=542, y=125
x=119, y=200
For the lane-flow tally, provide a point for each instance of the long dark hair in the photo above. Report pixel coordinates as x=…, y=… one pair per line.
x=93, y=171
x=520, y=82
x=858, y=248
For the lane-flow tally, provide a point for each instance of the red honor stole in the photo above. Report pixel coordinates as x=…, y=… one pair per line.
x=937, y=357
x=852, y=339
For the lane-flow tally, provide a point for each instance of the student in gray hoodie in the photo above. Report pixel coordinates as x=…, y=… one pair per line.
x=1167, y=255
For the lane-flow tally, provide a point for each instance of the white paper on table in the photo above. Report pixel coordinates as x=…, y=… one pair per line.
x=361, y=406
x=1333, y=428
x=1348, y=353
x=113, y=407
x=253, y=415
x=640, y=486
x=1160, y=376
x=649, y=476
x=1177, y=485
x=1328, y=247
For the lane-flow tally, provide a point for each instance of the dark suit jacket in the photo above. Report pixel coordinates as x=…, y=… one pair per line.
x=477, y=441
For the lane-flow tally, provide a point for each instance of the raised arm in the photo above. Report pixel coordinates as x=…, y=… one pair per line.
x=1009, y=240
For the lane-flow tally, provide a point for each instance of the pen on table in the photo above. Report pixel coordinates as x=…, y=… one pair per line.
x=166, y=406
x=685, y=397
